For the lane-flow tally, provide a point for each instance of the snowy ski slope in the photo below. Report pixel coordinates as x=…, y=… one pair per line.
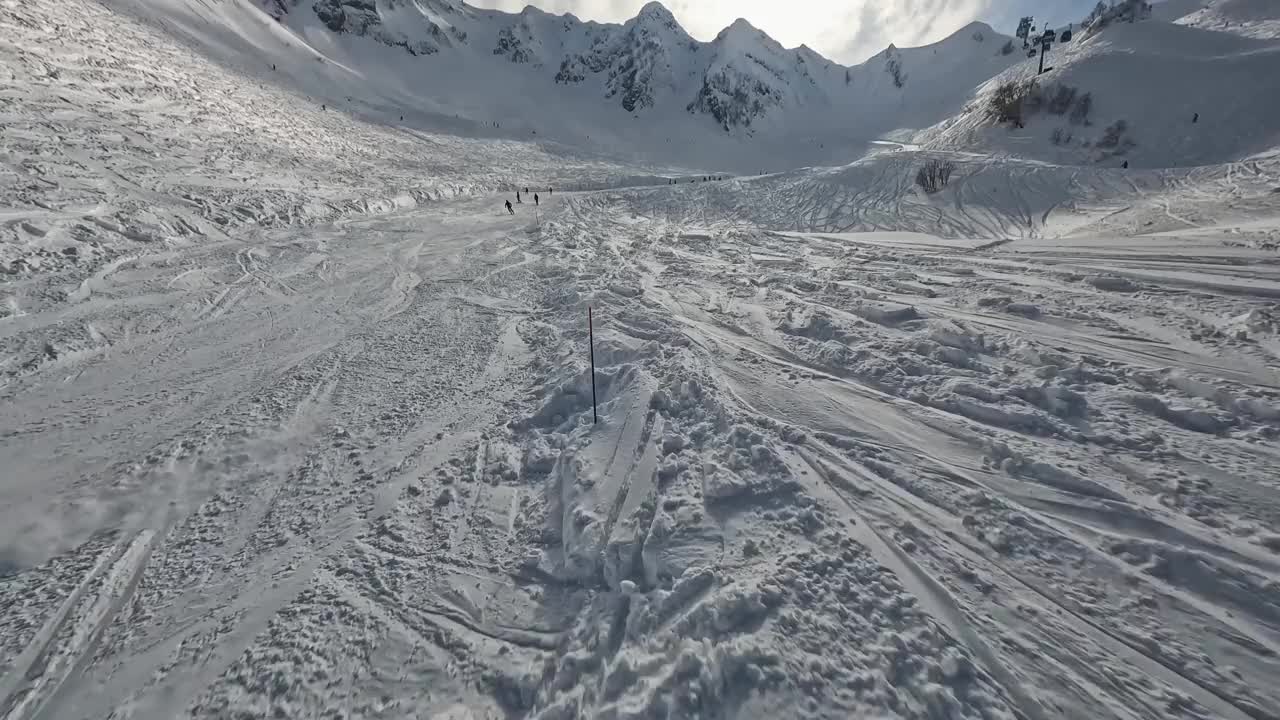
x=295, y=419
x=494, y=74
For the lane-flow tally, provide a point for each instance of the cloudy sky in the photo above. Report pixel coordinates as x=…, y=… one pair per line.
x=848, y=31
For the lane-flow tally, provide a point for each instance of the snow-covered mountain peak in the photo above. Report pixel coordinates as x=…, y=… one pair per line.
x=977, y=26
x=963, y=41
x=657, y=11
x=742, y=83
x=745, y=36
x=656, y=18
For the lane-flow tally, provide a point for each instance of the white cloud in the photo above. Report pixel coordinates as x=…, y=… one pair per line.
x=845, y=30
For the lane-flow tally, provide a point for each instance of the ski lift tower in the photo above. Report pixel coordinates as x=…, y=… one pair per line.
x=1046, y=41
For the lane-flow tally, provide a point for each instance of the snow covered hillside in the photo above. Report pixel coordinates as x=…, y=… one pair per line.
x=1153, y=93
x=1251, y=18
x=740, y=103
x=296, y=419
x=645, y=91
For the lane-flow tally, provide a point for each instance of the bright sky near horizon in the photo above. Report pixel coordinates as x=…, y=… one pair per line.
x=848, y=31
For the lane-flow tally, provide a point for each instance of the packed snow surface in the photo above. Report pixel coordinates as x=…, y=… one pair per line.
x=296, y=420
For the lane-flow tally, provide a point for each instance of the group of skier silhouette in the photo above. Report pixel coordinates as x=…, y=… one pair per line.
x=536, y=200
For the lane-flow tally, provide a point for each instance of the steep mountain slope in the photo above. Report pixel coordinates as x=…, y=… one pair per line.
x=751, y=78
x=1152, y=93
x=645, y=88
x=923, y=82
x=640, y=62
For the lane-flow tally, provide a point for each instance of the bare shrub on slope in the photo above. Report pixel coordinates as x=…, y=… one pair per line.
x=935, y=175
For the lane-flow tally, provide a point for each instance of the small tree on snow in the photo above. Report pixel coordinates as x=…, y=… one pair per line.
x=1061, y=99
x=1033, y=99
x=1080, y=111
x=1006, y=102
x=935, y=175
x=1113, y=135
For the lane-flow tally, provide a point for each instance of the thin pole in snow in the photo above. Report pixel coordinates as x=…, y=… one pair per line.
x=591, y=341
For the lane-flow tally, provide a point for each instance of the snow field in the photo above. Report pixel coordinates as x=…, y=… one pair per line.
x=120, y=140
x=316, y=441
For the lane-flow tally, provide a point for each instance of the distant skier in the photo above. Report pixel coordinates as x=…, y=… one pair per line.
x=535, y=199
x=1125, y=165
x=551, y=191
x=1195, y=119
x=518, y=200
x=510, y=210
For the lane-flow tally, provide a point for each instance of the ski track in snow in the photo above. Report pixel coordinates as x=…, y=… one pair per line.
x=317, y=442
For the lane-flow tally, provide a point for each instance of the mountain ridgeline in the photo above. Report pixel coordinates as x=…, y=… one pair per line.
x=743, y=81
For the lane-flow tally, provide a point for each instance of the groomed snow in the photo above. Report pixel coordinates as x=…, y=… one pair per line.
x=296, y=420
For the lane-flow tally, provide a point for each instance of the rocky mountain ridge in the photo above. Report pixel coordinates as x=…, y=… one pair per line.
x=740, y=80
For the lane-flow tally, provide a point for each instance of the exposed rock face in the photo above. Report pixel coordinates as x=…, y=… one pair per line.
x=513, y=46
x=366, y=18
x=279, y=8
x=749, y=75
x=893, y=66
x=733, y=98
x=638, y=58
x=348, y=16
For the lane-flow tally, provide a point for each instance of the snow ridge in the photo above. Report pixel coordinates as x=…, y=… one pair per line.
x=645, y=64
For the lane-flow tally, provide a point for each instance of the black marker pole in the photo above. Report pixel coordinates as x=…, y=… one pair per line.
x=591, y=340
